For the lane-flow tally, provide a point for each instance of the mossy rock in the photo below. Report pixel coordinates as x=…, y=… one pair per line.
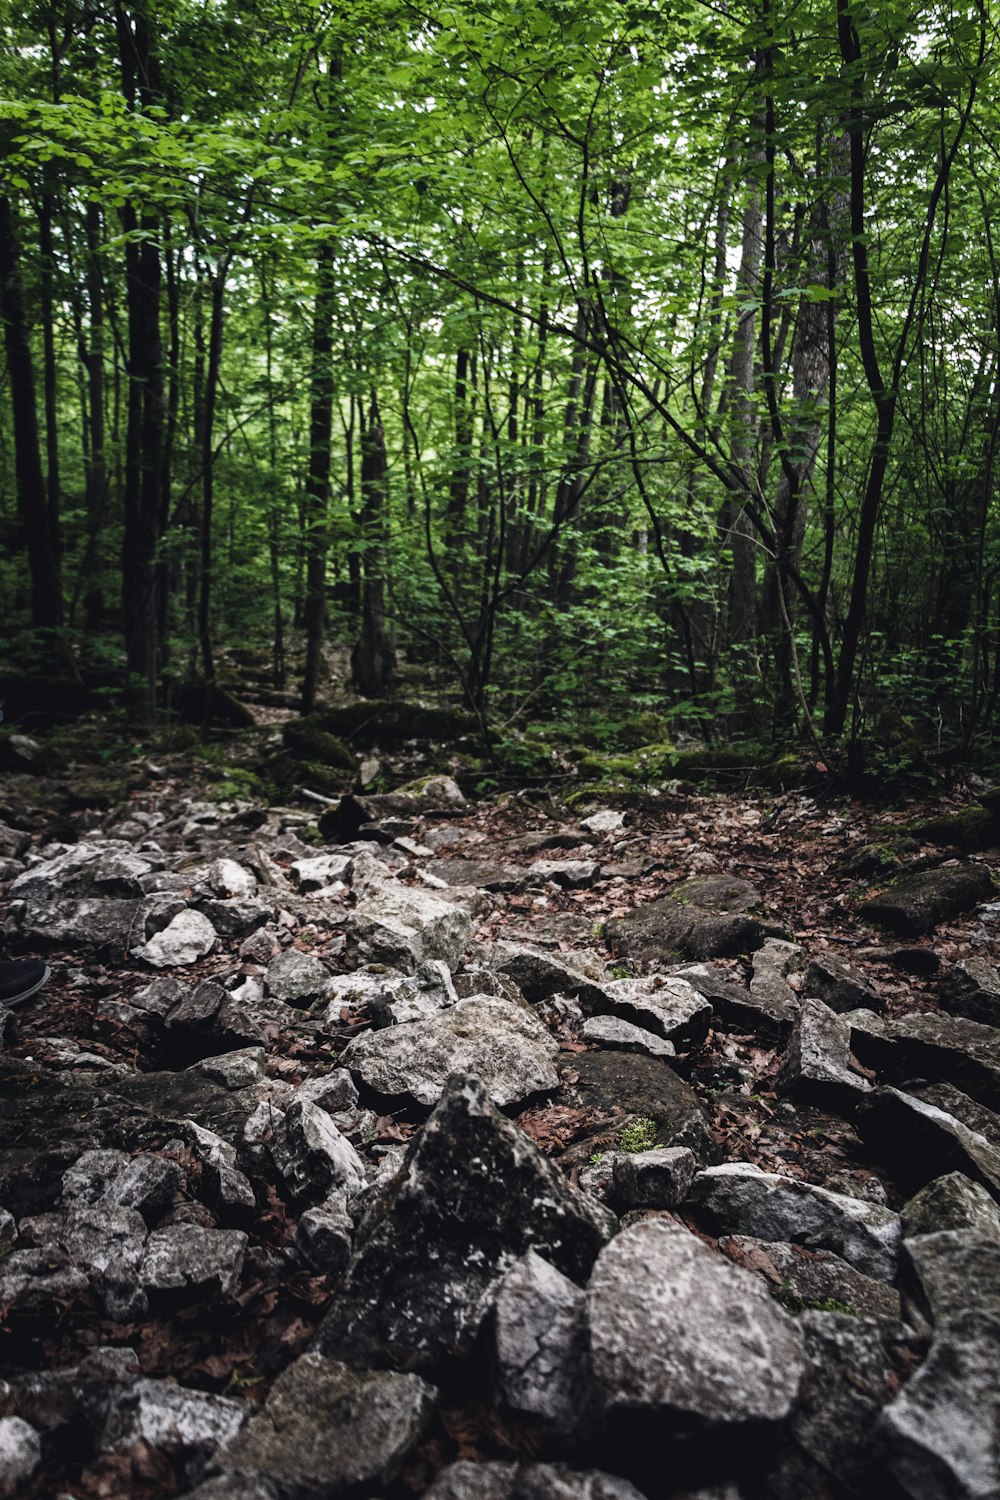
x=605, y=734
x=646, y=766
x=306, y=741
x=969, y=830
x=286, y=772
x=197, y=702
x=392, y=723
x=604, y=794
x=525, y=757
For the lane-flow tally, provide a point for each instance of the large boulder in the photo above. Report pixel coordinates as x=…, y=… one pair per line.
x=971, y=988
x=503, y=1043
x=921, y=1142
x=473, y=1195
x=676, y=1329
x=918, y=903
x=705, y=917
x=406, y=926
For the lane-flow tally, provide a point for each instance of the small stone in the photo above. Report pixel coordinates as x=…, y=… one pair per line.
x=671, y=1008
x=506, y=1481
x=312, y=1155
x=675, y=1328
x=321, y=870
x=185, y=940
x=326, y=1429
x=971, y=988
x=235, y=1070
x=167, y=1416
x=620, y=1035
x=227, y=878
x=951, y=1202
x=653, y=1179
x=20, y=1453
x=571, y=874
x=297, y=978
x=324, y=1237
x=839, y=986
x=541, y=1344
x=816, y=1065
x=604, y=821
x=114, y=1179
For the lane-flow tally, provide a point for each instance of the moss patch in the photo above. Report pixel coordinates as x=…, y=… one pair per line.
x=306, y=741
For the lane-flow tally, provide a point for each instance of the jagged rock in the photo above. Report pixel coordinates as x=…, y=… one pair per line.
x=918, y=903
x=922, y=1142
x=741, y=1199
x=328, y=1430
x=485, y=874
x=539, y=974
x=971, y=988
x=802, y=1278
x=473, y=1195
x=189, y=1257
x=618, y=1086
x=324, y=1236
x=312, y=1155
x=670, y=1008
x=677, y=1329
x=769, y=991
x=235, y=1070
x=653, y=1179
x=390, y=998
x=705, y=917
x=297, y=978
x=38, y=1282
x=13, y=841
x=502, y=1481
x=106, y=870
x=235, y=1487
x=113, y=1179
x=732, y=1005
x=92, y=922
x=334, y=1091
x=963, y=1053
x=571, y=874
x=541, y=1344
x=953, y=1201
x=227, y=878
x=956, y=1273
x=405, y=926
x=816, y=1065
x=207, y=1019
x=502, y=1043
x=856, y=1365
x=225, y=1187
x=237, y=916
x=839, y=986
x=941, y=1435
x=20, y=1453
x=187, y=937
x=163, y=1415
x=604, y=821
x=978, y=1119
x=321, y=870
x=8, y=1229
x=106, y=1242
x=619, y=1035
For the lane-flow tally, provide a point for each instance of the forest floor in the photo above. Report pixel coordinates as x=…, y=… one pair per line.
x=793, y=847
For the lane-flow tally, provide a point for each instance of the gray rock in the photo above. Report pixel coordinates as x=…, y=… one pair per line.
x=208, y=1019
x=189, y=1257
x=321, y=870
x=92, y=922
x=769, y=989
x=237, y=916
x=328, y=1430
x=956, y=1273
x=816, y=1065
x=168, y=1416
x=705, y=917
x=228, y=878
x=40, y=1282
x=234, y=1070
x=108, y=870
x=671, y=1008
x=740, y=1198
x=917, y=903
x=675, y=1328
x=313, y=1157
x=975, y=1116
x=109, y=1178
x=620, y=1087
x=735, y=1006
x=542, y=1361
x=971, y=988
x=802, y=1278
x=923, y=1142
x=106, y=1242
x=413, y=997
x=539, y=974
x=508, y=1481
x=604, y=821
x=653, y=1179
x=235, y=1487
x=941, y=1435
x=961, y=1052
x=13, y=841
x=187, y=938
x=407, y=927
x=484, y=874
x=324, y=1237
x=20, y=1453
x=502, y=1043
x=297, y=978
x=334, y=1091
x=951, y=1202
x=225, y=1187
x=571, y=874
x=473, y=1195
x=621, y=1036
x=839, y=986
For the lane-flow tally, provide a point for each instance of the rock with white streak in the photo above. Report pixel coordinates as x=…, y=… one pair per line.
x=227, y=878
x=190, y=1424
x=312, y=1155
x=619, y=1035
x=669, y=1007
x=191, y=1258
x=185, y=940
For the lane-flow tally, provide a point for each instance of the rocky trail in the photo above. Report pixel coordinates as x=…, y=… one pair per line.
x=403, y=1145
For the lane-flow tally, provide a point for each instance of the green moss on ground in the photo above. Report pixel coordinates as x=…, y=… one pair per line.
x=306, y=741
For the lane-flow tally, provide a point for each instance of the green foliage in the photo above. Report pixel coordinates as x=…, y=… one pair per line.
x=638, y=1135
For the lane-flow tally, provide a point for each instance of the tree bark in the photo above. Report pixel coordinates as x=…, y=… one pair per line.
x=373, y=660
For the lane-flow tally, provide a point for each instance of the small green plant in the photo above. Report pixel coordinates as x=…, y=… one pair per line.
x=638, y=1135
x=596, y=1158
x=620, y=971
x=598, y=929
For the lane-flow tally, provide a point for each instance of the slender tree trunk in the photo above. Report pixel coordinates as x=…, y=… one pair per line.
x=43, y=562
x=317, y=489
x=373, y=661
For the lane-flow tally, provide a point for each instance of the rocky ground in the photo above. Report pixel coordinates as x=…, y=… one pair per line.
x=401, y=1146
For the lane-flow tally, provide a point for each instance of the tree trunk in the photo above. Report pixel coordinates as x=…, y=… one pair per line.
x=317, y=489
x=373, y=660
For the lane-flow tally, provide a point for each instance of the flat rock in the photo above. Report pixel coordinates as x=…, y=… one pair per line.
x=92, y=922
x=321, y=870
x=918, y=903
x=618, y=1035
x=542, y=1359
x=669, y=1007
x=677, y=1329
x=85, y=869
x=839, y=986
x=113, y=1179
x=944, y=1096
x=951, y=1202
x=473, y=1195
x=188, y=937
x=539, y=974
x=508, y=1481
x=740, y=1198
x=237, y=916
x=956, y=1273
x=922, y=1142
x=571, y=874
x=327, y=1430
x=486, y=874
x=816, y=1065
x=941, y=1435
x=189, y=1257
x=503, y=1043
x=971, y=988
x=802, y=1278
x=297, y=978
x=705, y=917
x=961, y=1052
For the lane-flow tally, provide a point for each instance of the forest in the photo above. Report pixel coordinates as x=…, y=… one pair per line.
x=580, y=360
